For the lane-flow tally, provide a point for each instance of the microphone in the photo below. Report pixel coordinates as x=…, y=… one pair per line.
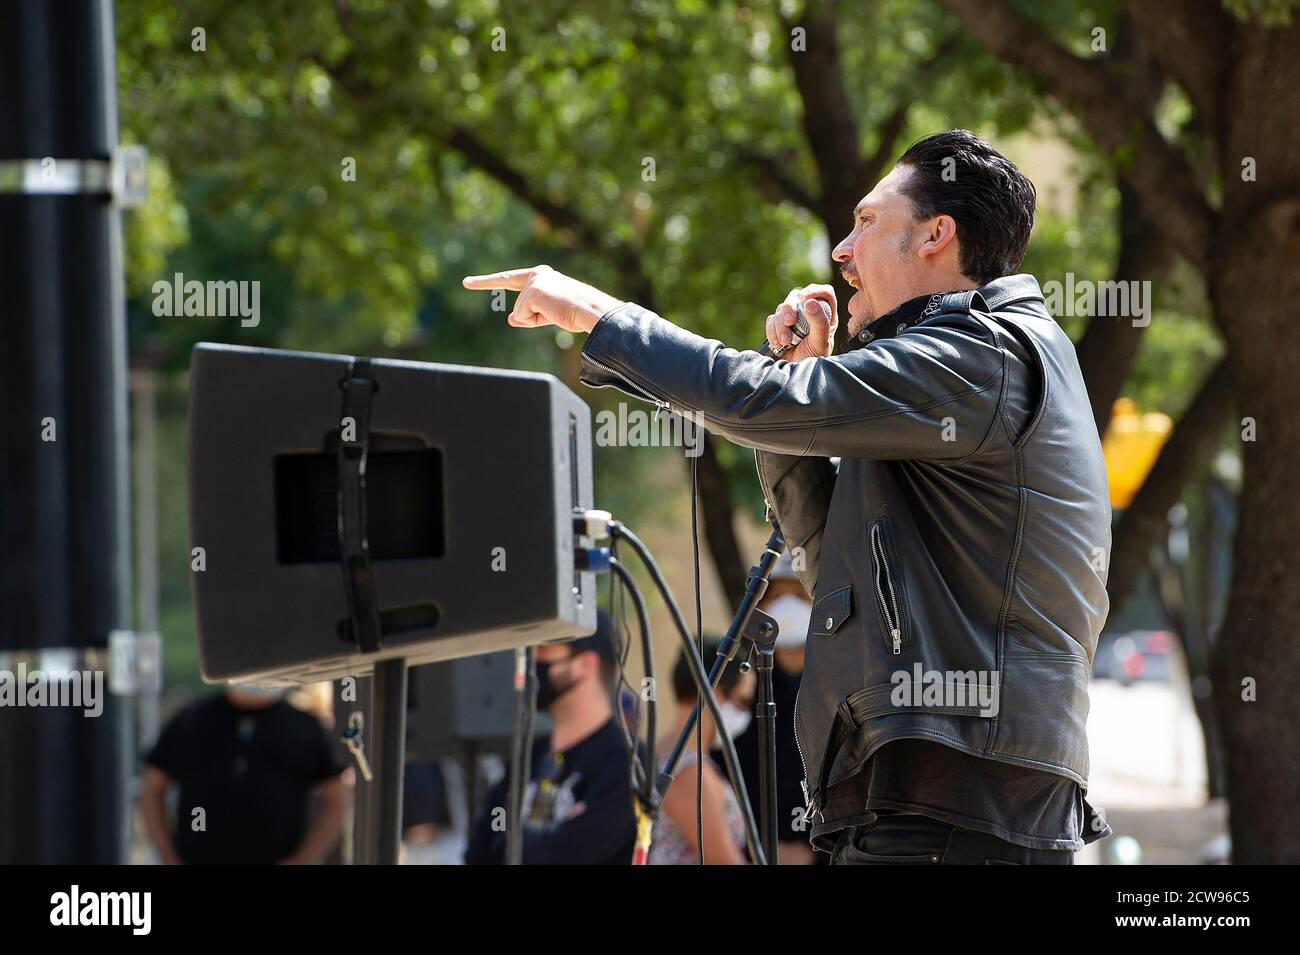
x=800, y=330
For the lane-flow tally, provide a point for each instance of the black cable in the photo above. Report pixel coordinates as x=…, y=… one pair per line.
x=649, y=800
x=696, y=664
x=619, y=613
x=622, y=646
x=641, y=778
x=699, y=635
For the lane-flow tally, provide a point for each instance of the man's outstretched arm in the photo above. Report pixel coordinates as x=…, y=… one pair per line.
x=930, y=395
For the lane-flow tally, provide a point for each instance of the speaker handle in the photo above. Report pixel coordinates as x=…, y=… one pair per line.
x=363, y=626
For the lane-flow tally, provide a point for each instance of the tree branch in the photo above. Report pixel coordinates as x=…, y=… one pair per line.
x=1189, y=38
x=886, y=142
x=773, y=170
x=828, y=119
x=888, y=132
x=1158, y=172
x=715, y=492
x=479, y=154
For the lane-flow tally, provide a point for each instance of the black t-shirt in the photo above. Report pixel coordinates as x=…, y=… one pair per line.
x=250, y=771
x=577, y=808
x=424, y=795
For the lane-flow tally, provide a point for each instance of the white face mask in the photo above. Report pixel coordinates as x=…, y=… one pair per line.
x=792, y=614
x=735, y=719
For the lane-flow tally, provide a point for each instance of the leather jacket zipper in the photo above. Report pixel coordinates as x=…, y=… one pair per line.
x=633, y=389
x=885, y=591
x=810, y=808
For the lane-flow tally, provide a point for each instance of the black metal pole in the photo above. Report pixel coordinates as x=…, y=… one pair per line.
x=765, y=718
x=388, y=730
x=362, y=830
x=521, y=750
x=65, y=557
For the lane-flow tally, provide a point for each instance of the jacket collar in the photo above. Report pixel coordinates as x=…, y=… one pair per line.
x=995, y=295
x=990, y=297
x=897, y=320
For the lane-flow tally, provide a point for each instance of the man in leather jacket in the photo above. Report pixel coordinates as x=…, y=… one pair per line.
x=957, y=554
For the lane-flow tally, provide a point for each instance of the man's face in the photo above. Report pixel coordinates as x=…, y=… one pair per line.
x=878, y=257
x=553, y=652
x=564, y=669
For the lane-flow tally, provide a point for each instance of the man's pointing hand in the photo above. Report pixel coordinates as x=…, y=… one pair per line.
x=547, y=297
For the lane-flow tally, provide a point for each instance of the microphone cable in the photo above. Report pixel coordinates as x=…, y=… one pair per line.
x=643, y=777
x=699, y=635
x=700, y=675
x=599, y=524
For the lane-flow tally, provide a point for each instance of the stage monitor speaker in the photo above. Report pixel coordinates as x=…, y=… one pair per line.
x=458, y=704
x=344, y=511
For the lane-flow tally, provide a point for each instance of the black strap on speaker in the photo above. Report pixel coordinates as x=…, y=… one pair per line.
x=363, y=624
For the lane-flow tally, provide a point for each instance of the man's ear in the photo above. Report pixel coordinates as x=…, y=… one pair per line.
x=941, y=234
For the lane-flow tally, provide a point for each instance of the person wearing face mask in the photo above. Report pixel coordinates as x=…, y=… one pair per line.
x=787, y=602
x=246, y=762
x=578, y=807
x=675, y=836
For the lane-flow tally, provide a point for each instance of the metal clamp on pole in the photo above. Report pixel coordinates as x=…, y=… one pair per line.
x=122, y=178
x=363, y=626
x=134, y=662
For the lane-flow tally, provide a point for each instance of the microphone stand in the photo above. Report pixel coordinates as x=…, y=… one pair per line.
x=755, y=628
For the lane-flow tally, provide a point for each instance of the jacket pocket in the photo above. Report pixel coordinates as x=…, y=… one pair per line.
x=887, y=582
x=831, y=611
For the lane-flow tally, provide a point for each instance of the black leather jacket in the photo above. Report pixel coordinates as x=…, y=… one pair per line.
x=966, y=532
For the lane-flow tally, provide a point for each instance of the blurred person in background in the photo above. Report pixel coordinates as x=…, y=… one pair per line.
x=676, y=830
x=427, y=823
x=247, y=763
x=577, y=809
x=787, y=602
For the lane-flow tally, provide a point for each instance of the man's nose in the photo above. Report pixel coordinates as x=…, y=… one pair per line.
x=844, y=251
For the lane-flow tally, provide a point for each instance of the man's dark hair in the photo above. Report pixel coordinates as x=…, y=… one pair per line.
x=958, y=174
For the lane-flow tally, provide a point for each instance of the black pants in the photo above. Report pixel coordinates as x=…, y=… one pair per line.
x=906, y=839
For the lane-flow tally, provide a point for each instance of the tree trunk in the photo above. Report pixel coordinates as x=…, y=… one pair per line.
x=1110, y=343
x=831, y=128
x=1256, y=285
x=719, y=531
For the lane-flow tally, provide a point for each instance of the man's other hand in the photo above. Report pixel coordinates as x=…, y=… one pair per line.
x=547, y=297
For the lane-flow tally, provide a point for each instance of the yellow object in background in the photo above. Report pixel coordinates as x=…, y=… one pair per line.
x=1131, y=444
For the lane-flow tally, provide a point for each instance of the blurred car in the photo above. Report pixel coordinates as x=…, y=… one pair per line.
x=1144, y=738
x=1145, y=655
